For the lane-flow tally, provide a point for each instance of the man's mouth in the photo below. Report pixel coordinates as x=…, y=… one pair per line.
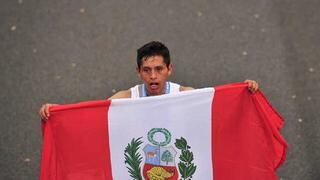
x=154, y=86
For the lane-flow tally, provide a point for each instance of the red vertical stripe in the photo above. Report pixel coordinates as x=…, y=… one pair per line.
x=76, y=143
x=246, y=143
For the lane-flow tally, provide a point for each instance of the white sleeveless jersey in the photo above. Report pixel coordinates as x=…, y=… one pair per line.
x=136, y=90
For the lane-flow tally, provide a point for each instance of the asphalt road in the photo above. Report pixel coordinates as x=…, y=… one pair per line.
x=70, y=51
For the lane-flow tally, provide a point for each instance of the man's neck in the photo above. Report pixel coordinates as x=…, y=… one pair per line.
x=162, y=92
x=145, y=92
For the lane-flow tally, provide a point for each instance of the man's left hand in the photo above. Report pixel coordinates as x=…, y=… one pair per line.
x=252, y=85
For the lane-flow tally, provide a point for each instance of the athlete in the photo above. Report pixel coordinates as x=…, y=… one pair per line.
x=153, y=68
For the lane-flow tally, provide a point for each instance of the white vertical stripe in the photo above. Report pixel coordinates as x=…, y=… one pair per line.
x=186, y=114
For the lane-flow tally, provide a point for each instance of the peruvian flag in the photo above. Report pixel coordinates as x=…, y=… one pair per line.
x=221, y=133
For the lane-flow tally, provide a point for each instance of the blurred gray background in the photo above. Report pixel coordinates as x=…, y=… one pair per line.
x=77, y=50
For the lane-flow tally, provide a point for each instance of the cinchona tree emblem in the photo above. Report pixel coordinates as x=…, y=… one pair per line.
x=159, y=158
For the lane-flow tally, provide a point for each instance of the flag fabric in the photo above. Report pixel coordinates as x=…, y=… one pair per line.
x=221, y=133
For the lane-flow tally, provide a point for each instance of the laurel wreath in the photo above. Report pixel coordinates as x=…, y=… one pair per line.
x=186, y=167
x=164, y=131
x=133, y=158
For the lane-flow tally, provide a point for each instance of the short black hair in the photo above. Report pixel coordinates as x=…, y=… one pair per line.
x=153, y=48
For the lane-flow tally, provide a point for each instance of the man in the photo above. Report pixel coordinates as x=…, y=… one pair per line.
x=153, y=68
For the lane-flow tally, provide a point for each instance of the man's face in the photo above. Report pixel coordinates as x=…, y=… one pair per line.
x=154, y=73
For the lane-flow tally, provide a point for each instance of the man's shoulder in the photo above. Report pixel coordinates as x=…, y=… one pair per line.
x=121, y=94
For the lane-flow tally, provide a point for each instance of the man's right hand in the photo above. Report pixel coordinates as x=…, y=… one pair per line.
x=44, y=111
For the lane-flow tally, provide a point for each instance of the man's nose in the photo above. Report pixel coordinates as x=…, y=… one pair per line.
x=153, y=74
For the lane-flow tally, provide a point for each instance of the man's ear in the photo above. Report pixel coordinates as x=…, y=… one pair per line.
x=138, y=71
x=170, y=69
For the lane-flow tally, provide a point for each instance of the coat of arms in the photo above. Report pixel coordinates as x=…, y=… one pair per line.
x=159, y=158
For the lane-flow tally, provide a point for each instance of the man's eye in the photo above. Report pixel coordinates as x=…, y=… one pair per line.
x=159, y=69
x=146, y=70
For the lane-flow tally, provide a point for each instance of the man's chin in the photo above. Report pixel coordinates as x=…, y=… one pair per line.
x=154, y=93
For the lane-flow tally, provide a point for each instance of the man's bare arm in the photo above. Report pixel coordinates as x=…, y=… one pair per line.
x=253, y=86
x=44, y=110
x=121, y=94
x=184, y=88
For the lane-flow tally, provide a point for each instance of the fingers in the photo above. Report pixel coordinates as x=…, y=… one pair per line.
x=41, y=112
x=44, y=111
x=256, y=86
x=253, y=86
